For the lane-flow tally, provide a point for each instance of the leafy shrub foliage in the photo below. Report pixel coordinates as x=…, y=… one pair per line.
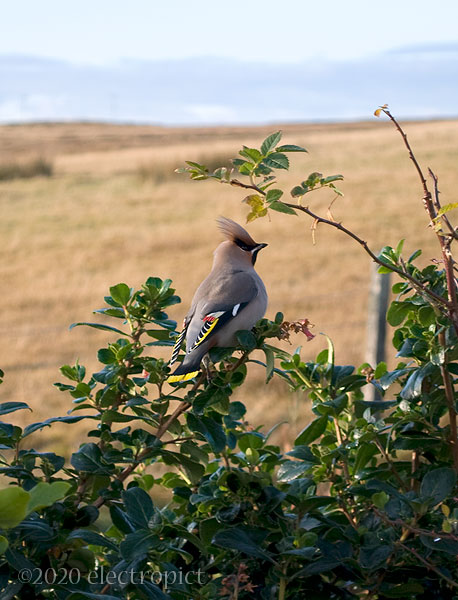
x=363, y=506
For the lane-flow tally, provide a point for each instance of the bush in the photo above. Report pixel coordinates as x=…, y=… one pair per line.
x=362, y=507
x=37, y=167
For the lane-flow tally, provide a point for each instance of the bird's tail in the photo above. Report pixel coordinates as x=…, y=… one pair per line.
x=188, y=369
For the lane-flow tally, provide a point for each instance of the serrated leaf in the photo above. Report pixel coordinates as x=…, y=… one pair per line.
x=282, y=207
x=270, y=142
x=273, y=195
x=277, y=160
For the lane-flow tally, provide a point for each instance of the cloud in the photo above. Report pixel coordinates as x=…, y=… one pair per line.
x=417, y=81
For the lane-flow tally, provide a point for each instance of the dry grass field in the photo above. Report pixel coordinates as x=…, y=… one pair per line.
x=115, y=211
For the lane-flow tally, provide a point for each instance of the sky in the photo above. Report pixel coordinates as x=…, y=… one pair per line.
x=98, y=41
x=104, y=31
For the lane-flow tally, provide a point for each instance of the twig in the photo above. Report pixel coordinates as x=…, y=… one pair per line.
x=439, y=300
x=418, y=531
x=429, y=565
x=427, y=198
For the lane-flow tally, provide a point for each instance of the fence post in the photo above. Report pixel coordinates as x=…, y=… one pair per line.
x=379, y=294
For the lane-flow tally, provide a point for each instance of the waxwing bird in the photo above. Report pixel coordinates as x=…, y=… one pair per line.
x=231, y=298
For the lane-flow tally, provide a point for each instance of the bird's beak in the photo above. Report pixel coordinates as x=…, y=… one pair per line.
x=254, y=252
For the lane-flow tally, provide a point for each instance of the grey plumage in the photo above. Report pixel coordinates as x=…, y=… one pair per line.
x=231, y=298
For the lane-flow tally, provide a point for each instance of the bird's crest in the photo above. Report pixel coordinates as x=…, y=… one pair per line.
x=235, y=232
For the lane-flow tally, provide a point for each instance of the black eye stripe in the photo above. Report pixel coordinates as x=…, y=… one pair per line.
x=244, y=246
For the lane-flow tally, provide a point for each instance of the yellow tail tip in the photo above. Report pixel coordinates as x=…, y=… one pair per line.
x=184, y=377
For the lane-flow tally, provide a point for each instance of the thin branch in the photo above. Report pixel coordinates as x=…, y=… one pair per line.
x=429, y=565
x=246, y=186
x=427, y=197
x=418, y=531
x=442, y=302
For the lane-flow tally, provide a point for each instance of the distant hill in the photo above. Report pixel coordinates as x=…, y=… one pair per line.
x=417, y=81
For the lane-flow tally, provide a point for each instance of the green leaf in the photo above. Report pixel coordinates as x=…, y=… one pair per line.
x=371, y=557
x=438, y=484
x=247, y=339
x=270, y=142
x=413, y=386
x=330, y=179
x=89, y=460
x=273, y=195
x=442, y=545
x=67, y=419
x=121, y=293
x=139, y=506
x=298, y=191
x=9, y=407
x=276, y=160
x=244, y=540
x=251, y=153
x=290, y=148
x=270, y=363
x=93, y=538
x=447, y=208
x=3, y=545
x=100, y=326
x=313, y=431
x=138, y=543
x=415, y=255
x=291, y=470
x=13, y=506
x=399, y=248
x=365, y=452
x=398, y=312
x=282, y=207
x=45, y=494
x=106, y=356
x=210, y=429
x=404, y=590
x=380, y=499
x=380, y=370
